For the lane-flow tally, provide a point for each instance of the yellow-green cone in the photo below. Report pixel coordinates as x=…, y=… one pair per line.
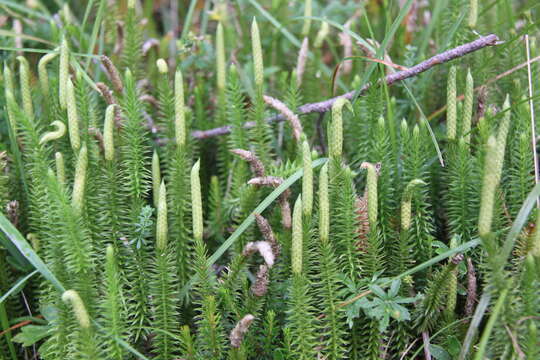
x=297, y=237
x=161, y=223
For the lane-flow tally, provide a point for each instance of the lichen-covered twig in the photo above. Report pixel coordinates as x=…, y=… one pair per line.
x=324, y=106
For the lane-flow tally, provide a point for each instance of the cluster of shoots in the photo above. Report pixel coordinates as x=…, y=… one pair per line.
x=365, y=232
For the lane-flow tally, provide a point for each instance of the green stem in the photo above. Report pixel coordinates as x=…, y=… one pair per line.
x=490, y=324
x=4, y=322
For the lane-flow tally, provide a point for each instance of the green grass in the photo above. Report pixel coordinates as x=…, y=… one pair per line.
x=373, y=269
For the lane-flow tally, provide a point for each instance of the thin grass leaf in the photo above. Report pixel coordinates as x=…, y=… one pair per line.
x=188, y=19
x=404, y=10
x=43, y=51
x=87, y=11
x=424, y=118
x=276, y=23
x=4, y=325
x=25, y=10
x=8, y=33
x=95, y=31
x=489, y=326
x=475, y=323
x=17, y=286
x=519, y=222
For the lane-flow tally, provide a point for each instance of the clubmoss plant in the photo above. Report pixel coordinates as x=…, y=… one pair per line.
x=166, y=99
x=60, y=168
x=322, y=34
x=112, y=310
x=54, y=135
x=156, y=178
x=163, y=284
x=473, y=13
x=300, y=308
x=143, y=170
x=85, y=338
x=79, y=183
x=489, y=186
x=333, y=323
x=132, y=44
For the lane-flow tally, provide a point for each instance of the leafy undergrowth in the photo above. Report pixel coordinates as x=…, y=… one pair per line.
x=143, y=220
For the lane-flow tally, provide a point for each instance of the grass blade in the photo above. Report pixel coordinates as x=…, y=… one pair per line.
x=95, y=31
x=17, y=286
x=8, y=33
x=475, y=323
x=276, y=23
x=489, y=326
x=4, y=325
x=187, y=21
x=24, y=9
x=519, y=222
x=458, y=249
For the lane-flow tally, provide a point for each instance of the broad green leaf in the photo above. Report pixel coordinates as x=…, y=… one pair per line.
x=394, y=288
x=377, y=290
x=439, y=353
x=31, y=334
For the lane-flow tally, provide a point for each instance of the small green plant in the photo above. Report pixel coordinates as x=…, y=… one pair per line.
x=383, y=306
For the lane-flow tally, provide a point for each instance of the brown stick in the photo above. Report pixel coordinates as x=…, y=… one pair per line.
x=324, y=106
